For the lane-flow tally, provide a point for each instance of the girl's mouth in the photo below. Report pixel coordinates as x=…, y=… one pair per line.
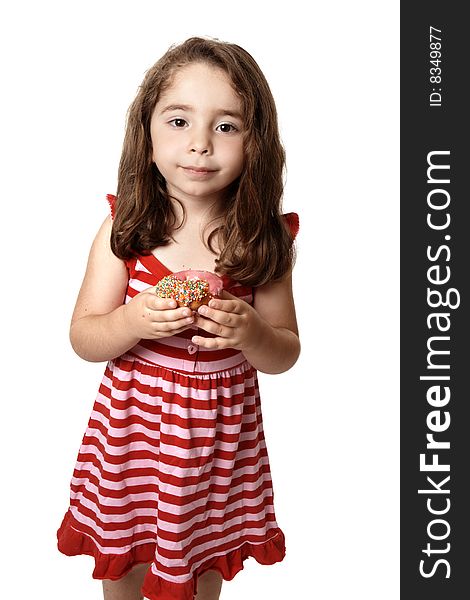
x=198, y=171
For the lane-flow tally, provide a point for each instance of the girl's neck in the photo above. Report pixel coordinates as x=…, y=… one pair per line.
x=188, y=248
x=197, y=213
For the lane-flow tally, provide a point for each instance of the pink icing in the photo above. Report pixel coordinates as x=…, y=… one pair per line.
x=215, y=282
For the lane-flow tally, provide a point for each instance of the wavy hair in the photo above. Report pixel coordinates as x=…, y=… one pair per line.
x=256, y=245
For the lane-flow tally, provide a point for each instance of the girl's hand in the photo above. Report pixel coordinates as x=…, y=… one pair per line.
x=150, y=317
x=235, y=323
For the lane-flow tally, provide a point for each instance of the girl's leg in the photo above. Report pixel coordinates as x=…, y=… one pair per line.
x=128, y=587
x=209, y=585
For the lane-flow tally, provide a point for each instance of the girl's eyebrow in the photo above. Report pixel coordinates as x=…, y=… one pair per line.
x=221, y=111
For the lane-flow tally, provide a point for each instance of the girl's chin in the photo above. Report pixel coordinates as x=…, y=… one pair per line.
x=196, y=193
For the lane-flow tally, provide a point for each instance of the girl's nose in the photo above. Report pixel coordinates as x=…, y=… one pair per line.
x=200, y=142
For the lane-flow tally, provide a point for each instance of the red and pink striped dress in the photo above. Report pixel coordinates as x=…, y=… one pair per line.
x=173, y=468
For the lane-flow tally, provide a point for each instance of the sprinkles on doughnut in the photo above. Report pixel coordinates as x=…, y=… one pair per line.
x=190, y=288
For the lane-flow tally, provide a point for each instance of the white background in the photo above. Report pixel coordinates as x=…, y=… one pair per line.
x=69, y=73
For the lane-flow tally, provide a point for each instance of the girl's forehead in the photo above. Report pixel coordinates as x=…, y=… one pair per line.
x=200, y=84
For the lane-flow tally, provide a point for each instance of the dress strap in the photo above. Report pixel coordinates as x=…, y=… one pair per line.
x=111, y=201
x=292, y=221
x=129, y=262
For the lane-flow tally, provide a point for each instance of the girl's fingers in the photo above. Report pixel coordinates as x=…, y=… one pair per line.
x=213, y=327
x=210, y=343
x=171, y=325
x=176, y=331
x=170, y=328
x=157, y=303
x=219, y=316
x=165, y=316
x=229, y=306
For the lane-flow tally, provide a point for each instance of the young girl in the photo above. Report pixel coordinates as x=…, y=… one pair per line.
x=172, y=481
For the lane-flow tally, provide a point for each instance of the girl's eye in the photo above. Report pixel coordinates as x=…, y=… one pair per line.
x=226, y=128
x=178, y=123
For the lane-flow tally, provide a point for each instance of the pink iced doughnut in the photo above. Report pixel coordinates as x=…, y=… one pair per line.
x=190, y=288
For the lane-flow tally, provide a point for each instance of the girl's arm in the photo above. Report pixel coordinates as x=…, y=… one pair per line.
x=102, y=326
x=278, y=346
x=266, y=332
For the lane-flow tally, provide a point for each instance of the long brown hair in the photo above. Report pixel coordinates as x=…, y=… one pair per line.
x=256, y=246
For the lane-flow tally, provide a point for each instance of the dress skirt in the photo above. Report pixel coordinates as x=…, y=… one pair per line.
x=173, y=470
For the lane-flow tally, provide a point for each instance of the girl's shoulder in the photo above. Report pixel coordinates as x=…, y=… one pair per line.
x=292, y=221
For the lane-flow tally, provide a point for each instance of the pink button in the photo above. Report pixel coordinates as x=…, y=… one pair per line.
x=192, y=349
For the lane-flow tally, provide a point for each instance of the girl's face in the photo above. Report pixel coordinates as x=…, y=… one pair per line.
x=196, y=131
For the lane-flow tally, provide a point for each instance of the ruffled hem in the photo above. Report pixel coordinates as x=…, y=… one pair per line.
x=72, y=542
x=228, y=565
